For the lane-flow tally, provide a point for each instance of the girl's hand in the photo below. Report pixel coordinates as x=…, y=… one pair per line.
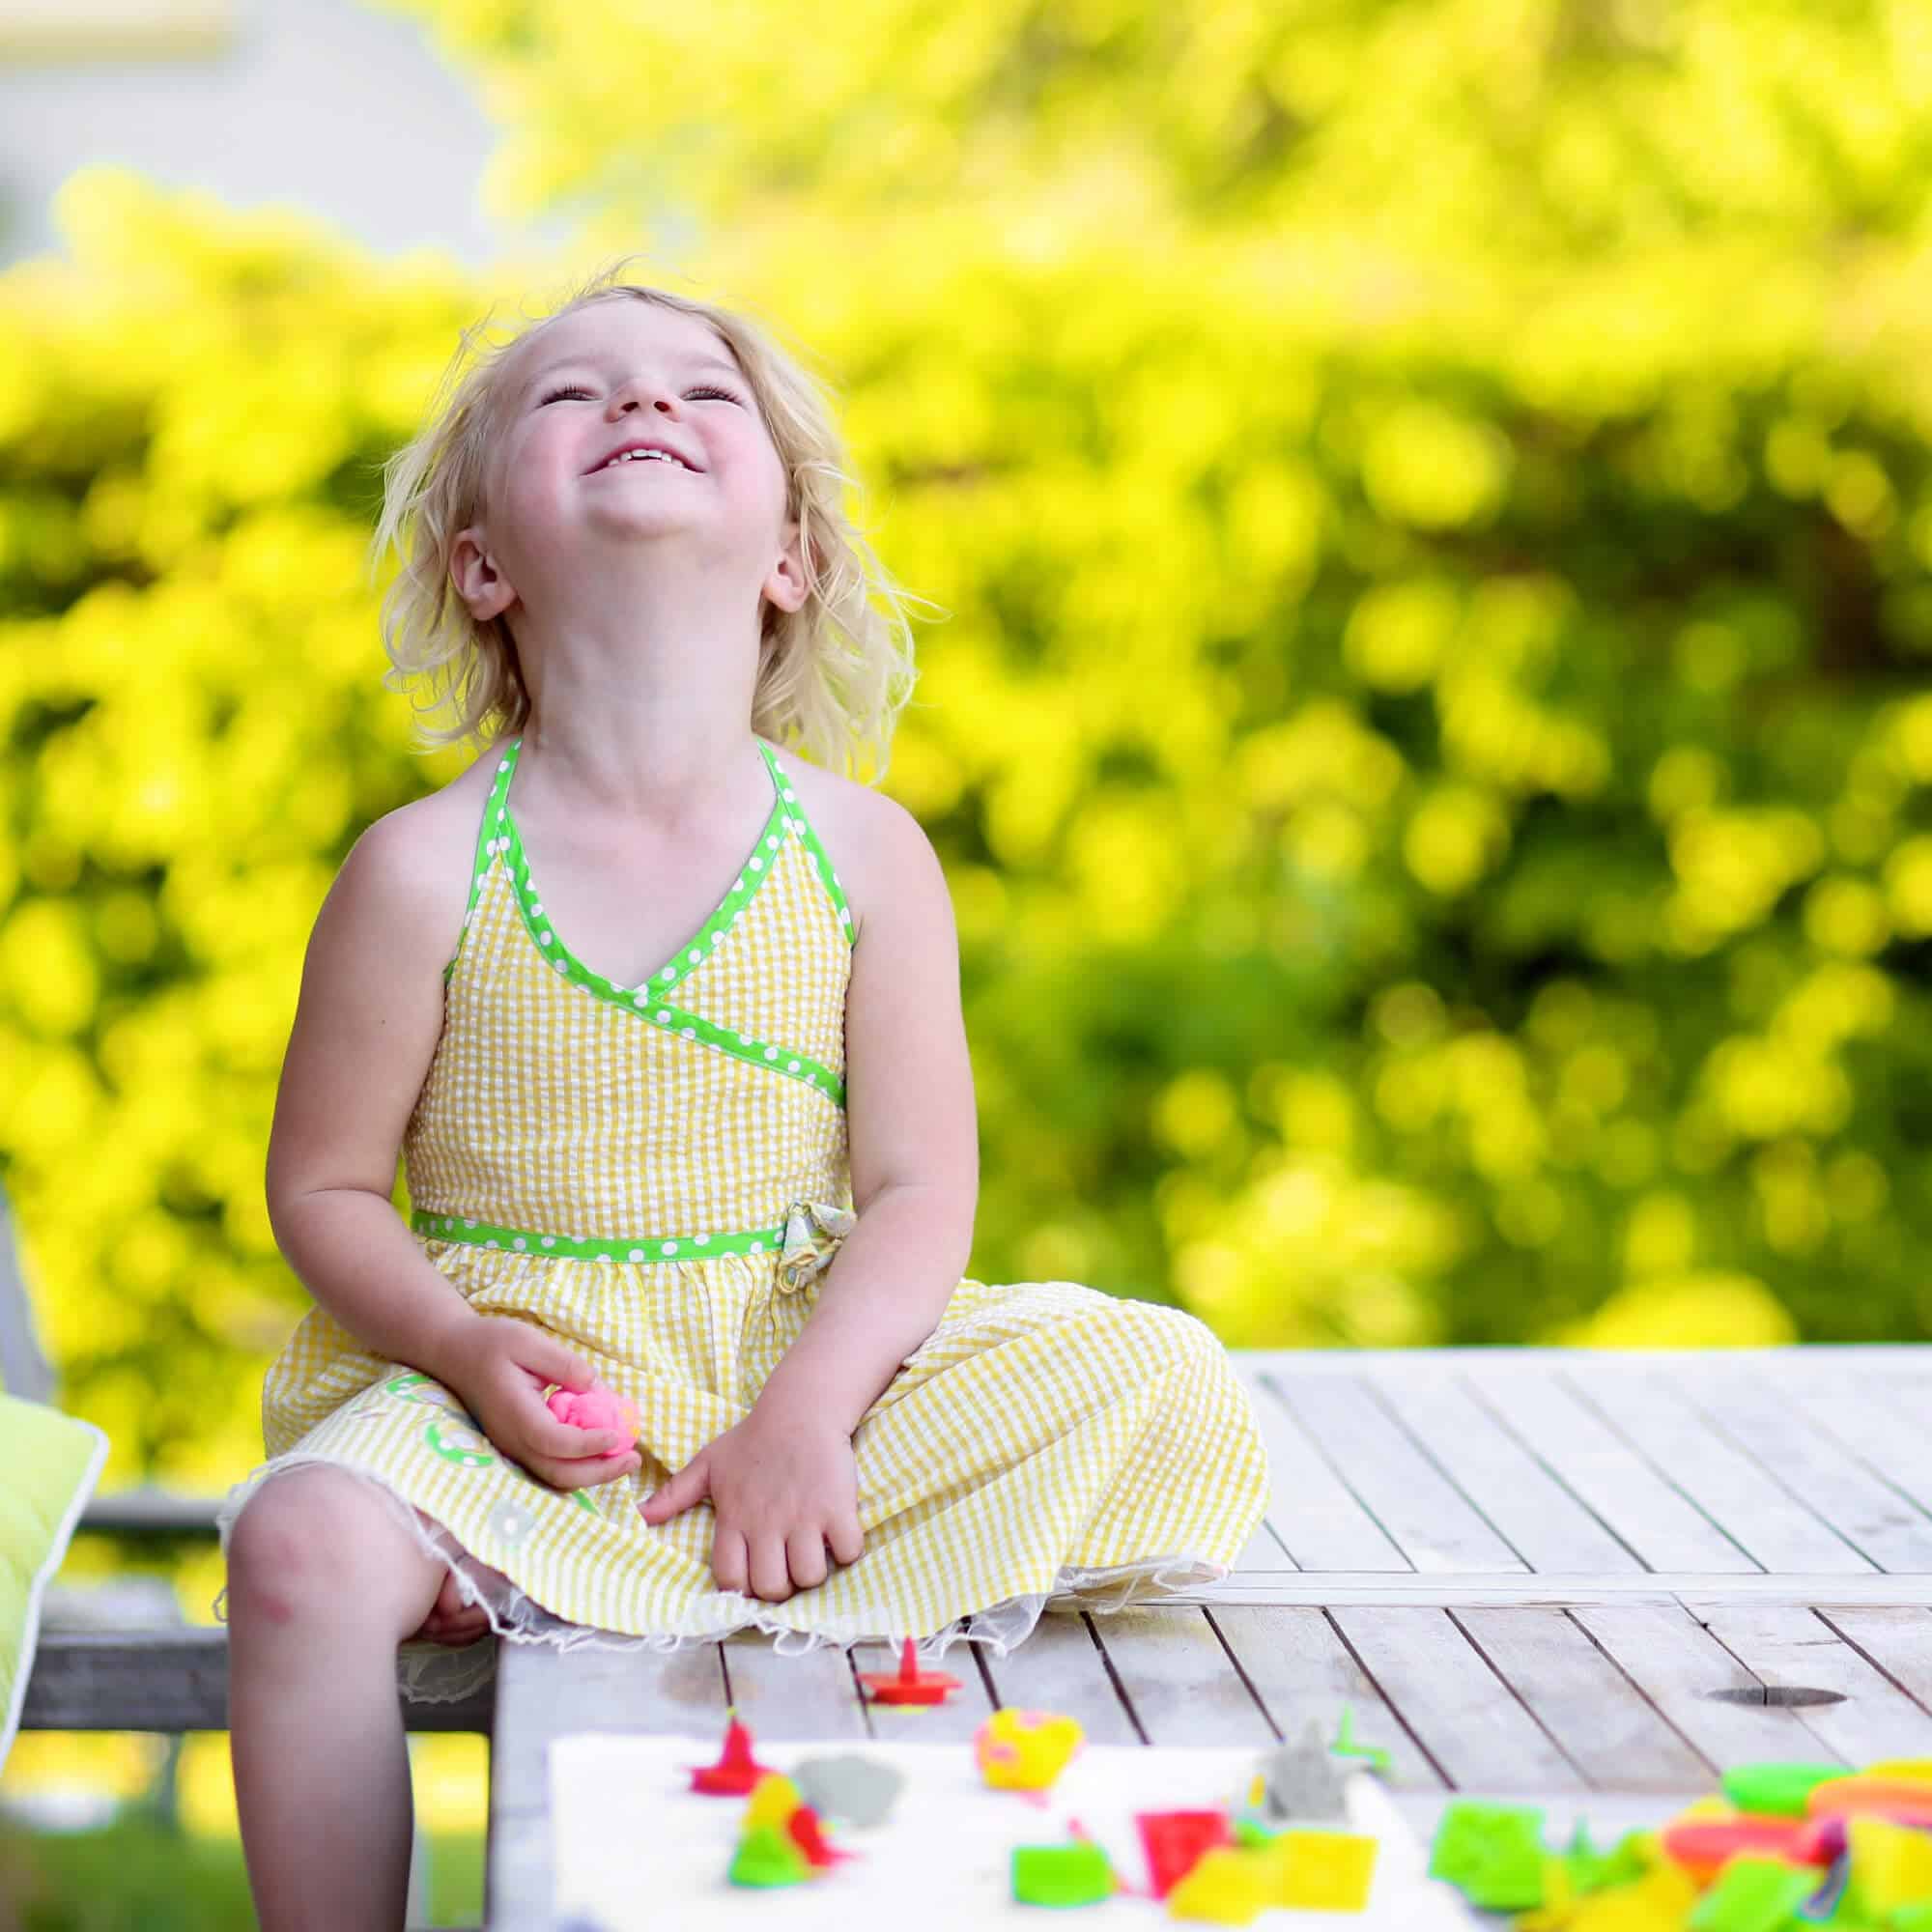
x=500, y=1367
x=784, y=1488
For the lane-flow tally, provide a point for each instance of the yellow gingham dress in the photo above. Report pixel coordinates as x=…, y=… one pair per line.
x=659, y=1176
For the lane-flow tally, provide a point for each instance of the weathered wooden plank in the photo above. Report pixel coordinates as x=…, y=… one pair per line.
x=543, y=1693
x=1299, y=1669
x=1677, y=1664
x=1897, y=1640
x=1761, y=1516
x=1649, y=1512
x=1448, y=1591
x=1792, y=1649
x=809, y=1693
x=1426, y=1516
x=1881, y=1423
x=167, y=1680
x=1180, y=1682
x=1548, y=1525
x=1606, y=1727
x=1062, y=1668
x=1459, y=1709
x=1880, y=1523
x=1311, y=1511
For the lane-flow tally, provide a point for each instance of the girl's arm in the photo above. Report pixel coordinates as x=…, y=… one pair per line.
x=367, y=1021
x=914, y=1137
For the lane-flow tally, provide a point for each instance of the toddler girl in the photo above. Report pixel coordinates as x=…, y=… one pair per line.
x=665, y=1021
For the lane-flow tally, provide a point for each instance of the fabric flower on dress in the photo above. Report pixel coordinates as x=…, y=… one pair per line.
x=815, y=1230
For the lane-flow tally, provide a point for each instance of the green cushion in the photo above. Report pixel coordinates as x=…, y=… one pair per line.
x=52, y=1463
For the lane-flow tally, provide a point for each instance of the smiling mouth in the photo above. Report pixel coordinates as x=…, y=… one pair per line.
x=643, y=462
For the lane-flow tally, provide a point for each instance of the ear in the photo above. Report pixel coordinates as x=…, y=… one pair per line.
x=786, y=583
x=484, y=589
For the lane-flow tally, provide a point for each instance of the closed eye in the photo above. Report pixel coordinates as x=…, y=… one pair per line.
x=703, y=389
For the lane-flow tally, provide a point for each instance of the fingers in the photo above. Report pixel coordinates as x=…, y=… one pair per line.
x=770, y=1579
x=805, y=1557
x=728, y=1559
x=690, y=1484
x=846, y=1539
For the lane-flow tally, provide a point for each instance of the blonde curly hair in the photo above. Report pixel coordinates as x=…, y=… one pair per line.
x=832, y=674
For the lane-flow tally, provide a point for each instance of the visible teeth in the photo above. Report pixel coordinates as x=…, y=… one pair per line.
x=641, y=455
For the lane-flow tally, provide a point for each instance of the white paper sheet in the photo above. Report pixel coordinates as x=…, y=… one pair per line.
x=637, y=1851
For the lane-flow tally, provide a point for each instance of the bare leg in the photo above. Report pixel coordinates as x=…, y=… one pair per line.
x=324, y=1582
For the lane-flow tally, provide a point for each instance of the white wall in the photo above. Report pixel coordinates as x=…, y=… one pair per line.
x=346, y=110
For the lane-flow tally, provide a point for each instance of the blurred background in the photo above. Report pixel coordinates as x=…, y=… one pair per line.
x=1431, y=743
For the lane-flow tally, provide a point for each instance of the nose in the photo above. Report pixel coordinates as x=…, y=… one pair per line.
x=641, y=388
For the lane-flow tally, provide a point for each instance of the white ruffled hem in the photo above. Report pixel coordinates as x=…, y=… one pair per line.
x=434, y=1673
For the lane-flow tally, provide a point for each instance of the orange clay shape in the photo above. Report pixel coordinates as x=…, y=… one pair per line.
x=1024, y=1750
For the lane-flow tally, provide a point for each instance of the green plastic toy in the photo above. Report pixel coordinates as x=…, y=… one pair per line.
x=1344, y=1744
x=1075, y=1874
x=1753, y=1895
x=1491, y=1854
x=1590, y=1870
x=767, y=1856
x=1778, y=1789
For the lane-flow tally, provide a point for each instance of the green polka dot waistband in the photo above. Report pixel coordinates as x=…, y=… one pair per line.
x=610, y=1248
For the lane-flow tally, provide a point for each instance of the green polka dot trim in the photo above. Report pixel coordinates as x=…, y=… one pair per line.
x=688, y=957
x=637, y=1250
x=499, y=838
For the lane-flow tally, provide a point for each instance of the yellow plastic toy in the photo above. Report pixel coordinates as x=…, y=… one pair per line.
x=1892, y=1865
x=1226, y=1887
x=1319, y=1871
x=773, y=1801
x=1024, y=1750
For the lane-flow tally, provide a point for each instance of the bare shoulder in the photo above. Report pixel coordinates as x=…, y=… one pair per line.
x=370, y=1010
x=871, y=839
x=411, y=865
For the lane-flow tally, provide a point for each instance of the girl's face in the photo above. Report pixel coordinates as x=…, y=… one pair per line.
x=614, y=372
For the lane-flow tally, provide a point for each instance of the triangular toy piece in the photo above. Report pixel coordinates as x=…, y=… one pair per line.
x=804, y=1834
x=736, y=1771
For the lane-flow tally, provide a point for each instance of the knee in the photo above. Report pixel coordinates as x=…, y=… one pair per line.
x=299, y=1543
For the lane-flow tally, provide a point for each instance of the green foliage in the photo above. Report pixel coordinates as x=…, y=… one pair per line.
x=137, y=1876
x=1431, y=753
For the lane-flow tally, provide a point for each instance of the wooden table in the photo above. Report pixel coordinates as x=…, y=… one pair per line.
x=1591, y=1578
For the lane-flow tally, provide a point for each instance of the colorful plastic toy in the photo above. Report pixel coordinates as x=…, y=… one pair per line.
x=1174, y=1841
x=1704, y=1845
x=1072, y=1874
x=1778, y=1789
x=1493, y=1853
x=780, y=1840
x=1224, y=1886
x=1344, y=1744
x=1319, y=1871
x=1891, y=1866
x=1906, y=1800
x=908, y=1683
x=767, y=1856
x=736, y=1771
x=1753, y=1894
x=1024, y=1750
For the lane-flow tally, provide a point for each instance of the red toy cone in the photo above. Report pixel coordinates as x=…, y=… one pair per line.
x=737, y=1770
x=908, y=1683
